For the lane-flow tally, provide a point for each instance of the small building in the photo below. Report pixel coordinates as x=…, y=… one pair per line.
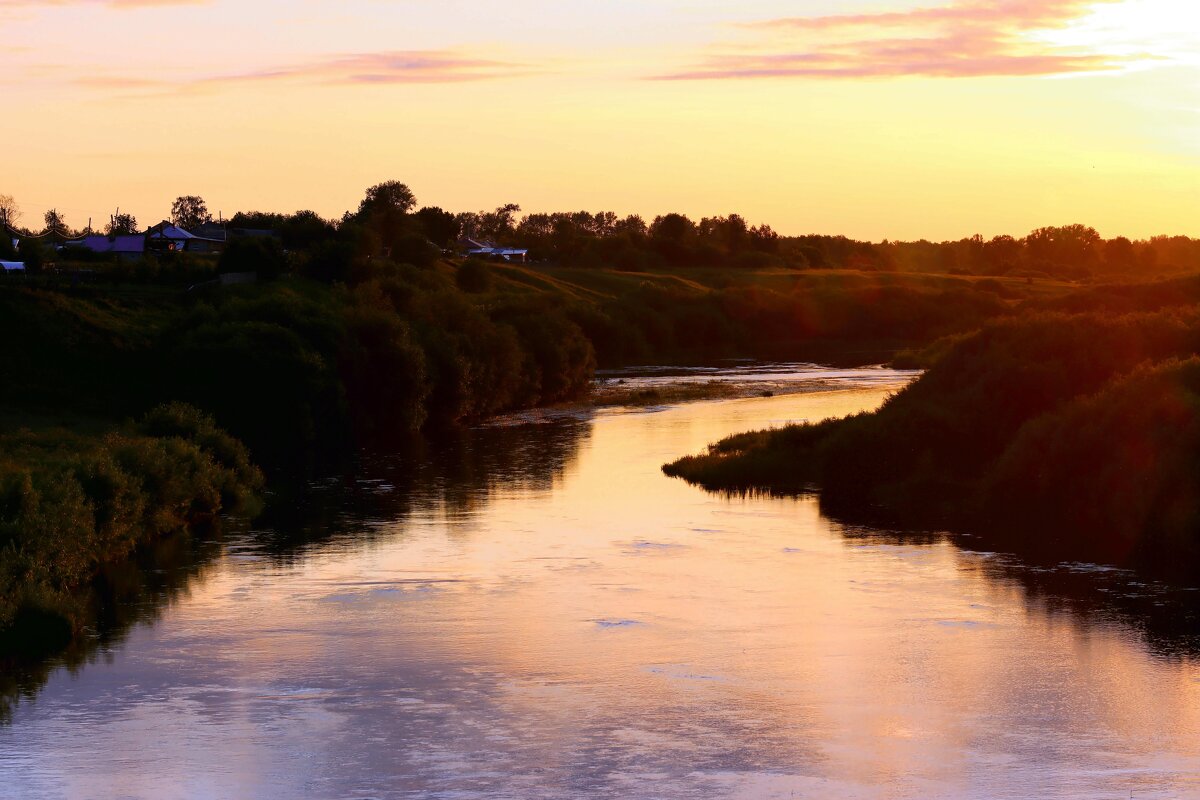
x=166, y=237
x=500, y=254
x=127, y=247
x=487, y=250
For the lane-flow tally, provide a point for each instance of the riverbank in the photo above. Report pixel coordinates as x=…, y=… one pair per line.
x=77, y=496
x=1077, y=435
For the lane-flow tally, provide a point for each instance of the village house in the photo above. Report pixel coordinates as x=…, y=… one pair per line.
x=127, y=247
x=166, y=237
x=487, y=250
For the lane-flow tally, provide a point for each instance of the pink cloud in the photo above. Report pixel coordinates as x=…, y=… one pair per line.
x=965, y=38
x=1021, y=14
x=390, y=67
x=396, y=67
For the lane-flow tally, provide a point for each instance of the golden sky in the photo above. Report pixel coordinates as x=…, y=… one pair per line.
x=872, y=118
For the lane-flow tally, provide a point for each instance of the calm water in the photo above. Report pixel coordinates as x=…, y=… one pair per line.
x=535, y=611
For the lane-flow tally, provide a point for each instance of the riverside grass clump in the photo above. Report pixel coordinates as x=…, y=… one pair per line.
x=1077, y=435
x=71, y=502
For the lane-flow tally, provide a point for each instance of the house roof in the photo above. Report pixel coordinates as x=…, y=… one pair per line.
x=167, y=230
x=122, y=243
x=496, y=251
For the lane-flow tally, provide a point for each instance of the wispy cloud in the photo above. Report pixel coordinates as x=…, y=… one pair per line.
x=1019, y=14
x=394, y=67
x=405, y=66
x=962, y=38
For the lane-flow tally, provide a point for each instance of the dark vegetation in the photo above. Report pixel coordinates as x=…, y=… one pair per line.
x=1074, y=435
x=72, y=501
x=369, y=328
x=389, y=223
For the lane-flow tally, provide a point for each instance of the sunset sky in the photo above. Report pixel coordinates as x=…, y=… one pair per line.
x=872, y=118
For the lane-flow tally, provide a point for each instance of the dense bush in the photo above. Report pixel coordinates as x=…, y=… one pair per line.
x=1081, y=432
x=261, y=254
x=1115, y=473
x=65, y=512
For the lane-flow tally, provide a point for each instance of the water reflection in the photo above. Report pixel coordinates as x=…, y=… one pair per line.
x=125, y=595
x=454, y=470
x=1165, y=617
x=538, y=613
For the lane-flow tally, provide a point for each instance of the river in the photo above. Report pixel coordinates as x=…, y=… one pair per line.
x=532, y=610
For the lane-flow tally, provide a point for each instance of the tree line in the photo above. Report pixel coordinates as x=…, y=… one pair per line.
x=389, y=222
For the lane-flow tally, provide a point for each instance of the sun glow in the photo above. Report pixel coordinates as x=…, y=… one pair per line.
x=872, y=118
x=1140, y=33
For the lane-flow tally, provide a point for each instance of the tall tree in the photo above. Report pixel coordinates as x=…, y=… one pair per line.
x=122, y=224
x=1071, y=246
x=10, y=212
x=55, y=222
x=387, y=197
x=190, y=211
x=440, y=226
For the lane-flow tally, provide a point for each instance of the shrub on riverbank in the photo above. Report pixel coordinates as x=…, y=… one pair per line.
x=72, y=502
x=1029, y=429
x=1116, y=472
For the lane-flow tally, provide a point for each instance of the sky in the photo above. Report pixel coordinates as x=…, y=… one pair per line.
x=878, y=119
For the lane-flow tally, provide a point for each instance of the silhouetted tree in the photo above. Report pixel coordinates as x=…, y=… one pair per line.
x=729, y=234
x=1119, y=254
x=1075, y=247
x=299, y=231
x=10, y=212
x=440, y=226
x=389, y=196
x=55, y=223
x=764, y=238
x=190, y=211
x=496, y=226
x=673, y=236
x=1002, y=254
x=122, y=224
x=632, y=225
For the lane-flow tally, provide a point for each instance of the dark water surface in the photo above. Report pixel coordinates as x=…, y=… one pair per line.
x=534, y=611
